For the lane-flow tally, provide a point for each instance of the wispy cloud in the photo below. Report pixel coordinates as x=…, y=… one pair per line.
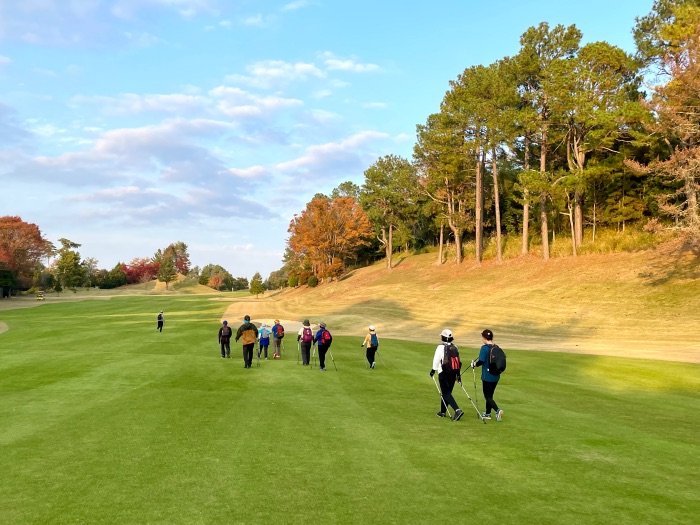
x=334, y=63
x=275, y=73
x=237, y=103
x=298, y=4
x=4, y=61
x=350, y=153
x=133, y=104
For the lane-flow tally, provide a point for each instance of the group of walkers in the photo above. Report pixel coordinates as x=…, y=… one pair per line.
x=446, y=360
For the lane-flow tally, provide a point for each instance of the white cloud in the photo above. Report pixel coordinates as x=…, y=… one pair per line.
x=237, y=103
x=375, y=105
x=5, y=61
x=255, y=20
x=254, y=172
x=132, y=104
x=293, y=6
x=334, y=63
x=349, y=152
x=275, y=73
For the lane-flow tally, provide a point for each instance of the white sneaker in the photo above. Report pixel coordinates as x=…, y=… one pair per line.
x=499, y=415
x=372, y=365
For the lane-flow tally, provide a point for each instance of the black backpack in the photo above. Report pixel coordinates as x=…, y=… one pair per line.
x=450, y=361
x=497, y=360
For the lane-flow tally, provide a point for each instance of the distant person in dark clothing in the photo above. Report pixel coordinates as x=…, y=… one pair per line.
x=225, y=334
x=323, y=339
x=161, y=320
x=248, y=333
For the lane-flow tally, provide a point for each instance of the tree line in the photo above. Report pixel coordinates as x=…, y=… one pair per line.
x=28, y=261
x=562, y=138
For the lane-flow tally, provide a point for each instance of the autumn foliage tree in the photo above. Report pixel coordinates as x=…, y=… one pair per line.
x=21, y=247
x=328, y=233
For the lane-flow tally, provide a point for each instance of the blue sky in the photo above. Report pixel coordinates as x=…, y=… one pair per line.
x=126, y=125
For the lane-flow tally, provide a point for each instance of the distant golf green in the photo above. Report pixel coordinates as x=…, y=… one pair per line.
x=105, y=420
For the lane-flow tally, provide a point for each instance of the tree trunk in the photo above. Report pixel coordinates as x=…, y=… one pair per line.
x=479, y=210
x=442, y=238
x=543, y=196
x=499, y=245
x=578, y=218
x=692, y=202
x=389, y=247
x=526, y=204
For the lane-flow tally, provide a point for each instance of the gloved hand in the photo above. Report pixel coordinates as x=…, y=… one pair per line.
x=432, y=372
x=472, y=364
x=459, y=379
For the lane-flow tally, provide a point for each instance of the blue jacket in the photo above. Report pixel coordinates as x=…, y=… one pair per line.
x=317, y=338
x=484, y=359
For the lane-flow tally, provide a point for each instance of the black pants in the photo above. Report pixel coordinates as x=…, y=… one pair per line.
x=371, y=350
x=225, y=348
x=447, y=384
x=305, y=353
x=322, y=355
x=263, y=347
x=489, y=387
x=160, y=326
x=248, y=355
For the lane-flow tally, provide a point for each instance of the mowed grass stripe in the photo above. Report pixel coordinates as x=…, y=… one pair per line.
x=120, y=424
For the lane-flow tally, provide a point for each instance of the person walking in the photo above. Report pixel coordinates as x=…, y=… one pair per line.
x=277, y=335
x=323, y=339
x=225, y=334
x=248, y=333
x=448, y=373
x=305, y=337
x=264, y=339
x=372, y=343
x=161, y=320
x=489, y=381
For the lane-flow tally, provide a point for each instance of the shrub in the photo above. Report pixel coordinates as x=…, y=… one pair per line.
x=312, y=282
x=293, y=281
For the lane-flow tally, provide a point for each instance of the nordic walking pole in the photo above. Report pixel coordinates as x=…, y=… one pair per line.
x=475, y=396
x=443, y=399
x=478, y=414
x=381, y=359
x=256, y=344
x=329, y=351
x=313, y=357
x=298, y=351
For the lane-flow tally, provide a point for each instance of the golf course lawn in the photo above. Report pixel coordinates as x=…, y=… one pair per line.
x=105, y=420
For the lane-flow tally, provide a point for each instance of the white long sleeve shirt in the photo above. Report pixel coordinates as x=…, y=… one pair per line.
x=438, y=357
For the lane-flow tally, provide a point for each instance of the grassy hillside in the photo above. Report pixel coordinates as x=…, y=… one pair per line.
x=643, y=304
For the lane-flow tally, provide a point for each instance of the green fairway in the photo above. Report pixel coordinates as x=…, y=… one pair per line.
x=105, y=420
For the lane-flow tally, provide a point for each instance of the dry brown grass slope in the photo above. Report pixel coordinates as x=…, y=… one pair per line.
x=644, y=304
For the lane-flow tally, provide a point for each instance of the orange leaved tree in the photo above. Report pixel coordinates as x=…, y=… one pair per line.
x=328, y=233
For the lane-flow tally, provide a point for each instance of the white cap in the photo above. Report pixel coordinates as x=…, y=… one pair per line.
x=371, y=328
x=446, y=333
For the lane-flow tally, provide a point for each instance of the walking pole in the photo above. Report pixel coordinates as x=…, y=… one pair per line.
x=381, y=359
x=298, y=351
x=478, y=414
x=313, y=357
x=256, y=344
x=329, y=351
x=443, y=399
x=474, y=376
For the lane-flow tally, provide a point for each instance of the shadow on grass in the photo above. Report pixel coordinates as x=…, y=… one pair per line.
x=680, y=263
x=380, y=308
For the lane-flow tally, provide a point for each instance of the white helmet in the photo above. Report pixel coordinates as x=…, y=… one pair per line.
x=446, y=334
